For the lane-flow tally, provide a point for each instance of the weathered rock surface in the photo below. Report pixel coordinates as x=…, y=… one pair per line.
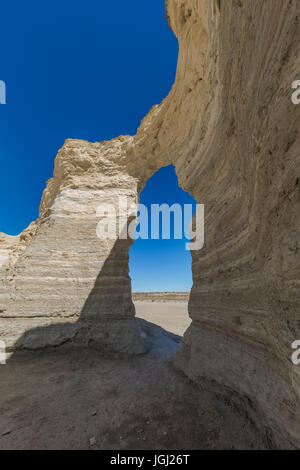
x=231, y=130
x=66, y=272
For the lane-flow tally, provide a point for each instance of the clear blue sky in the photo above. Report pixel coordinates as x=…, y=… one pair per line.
x=162, y=265
x=83, y=69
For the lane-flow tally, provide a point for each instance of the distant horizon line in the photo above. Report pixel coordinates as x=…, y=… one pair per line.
x=162, y=292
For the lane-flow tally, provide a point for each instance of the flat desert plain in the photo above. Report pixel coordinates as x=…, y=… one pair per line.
x=169, y=310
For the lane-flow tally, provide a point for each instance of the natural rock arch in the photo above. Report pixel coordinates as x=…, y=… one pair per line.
x=231, y=130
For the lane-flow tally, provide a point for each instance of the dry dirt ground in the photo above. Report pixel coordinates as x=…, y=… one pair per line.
x=72, y=398
x=171, y=315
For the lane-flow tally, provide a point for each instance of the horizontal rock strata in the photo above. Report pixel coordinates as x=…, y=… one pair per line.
x=232, y=132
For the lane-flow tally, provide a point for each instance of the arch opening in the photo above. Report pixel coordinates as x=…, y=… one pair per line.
x=160, y=261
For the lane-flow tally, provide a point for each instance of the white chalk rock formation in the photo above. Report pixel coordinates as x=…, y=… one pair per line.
x=69, y=284
x=231, y=130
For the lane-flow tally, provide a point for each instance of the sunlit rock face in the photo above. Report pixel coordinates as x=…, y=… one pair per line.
x=231, y=130
x=69, y=284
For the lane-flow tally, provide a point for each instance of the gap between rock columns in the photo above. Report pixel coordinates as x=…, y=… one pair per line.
x=232, y=132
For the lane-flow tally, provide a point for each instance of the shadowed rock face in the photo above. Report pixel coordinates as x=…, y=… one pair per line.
x=232, y=132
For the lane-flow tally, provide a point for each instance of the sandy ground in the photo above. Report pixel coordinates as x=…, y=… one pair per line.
x=172, y=316
x=73, y=398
